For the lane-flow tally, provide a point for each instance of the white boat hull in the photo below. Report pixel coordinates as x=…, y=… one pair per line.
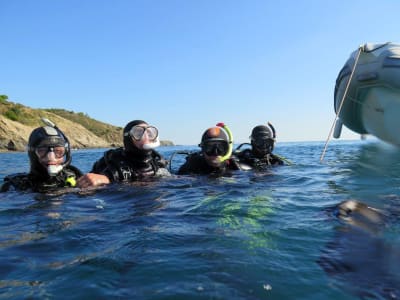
x=381, y=115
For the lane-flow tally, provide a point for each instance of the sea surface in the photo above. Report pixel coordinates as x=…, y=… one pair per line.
x=273, y=234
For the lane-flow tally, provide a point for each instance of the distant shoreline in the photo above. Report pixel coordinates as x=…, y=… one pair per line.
x=3, y=150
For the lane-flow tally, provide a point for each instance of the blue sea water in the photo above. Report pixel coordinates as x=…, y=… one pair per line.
x=255, y=235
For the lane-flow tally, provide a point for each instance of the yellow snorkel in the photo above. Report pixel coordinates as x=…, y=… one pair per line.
x=230, y=143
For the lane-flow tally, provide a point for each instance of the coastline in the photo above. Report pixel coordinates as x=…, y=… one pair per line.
x=163, y=144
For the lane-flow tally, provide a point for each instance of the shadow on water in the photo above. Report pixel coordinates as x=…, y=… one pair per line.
x=362, y=257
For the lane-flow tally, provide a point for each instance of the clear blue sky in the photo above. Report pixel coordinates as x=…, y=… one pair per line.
x=184, y=65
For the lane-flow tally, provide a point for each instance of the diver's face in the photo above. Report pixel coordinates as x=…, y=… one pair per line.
x=143, y=134
x=214, y=151
x=51, y=158
x=262, y=146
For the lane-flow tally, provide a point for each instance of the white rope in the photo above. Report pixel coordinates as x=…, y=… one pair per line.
x=341, y=103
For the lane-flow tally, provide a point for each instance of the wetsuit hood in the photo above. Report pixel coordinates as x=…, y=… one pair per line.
x=265, y=134
x=214, y=134
x=46, y=136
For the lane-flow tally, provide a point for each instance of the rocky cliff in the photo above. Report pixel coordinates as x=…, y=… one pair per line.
x=14, y=135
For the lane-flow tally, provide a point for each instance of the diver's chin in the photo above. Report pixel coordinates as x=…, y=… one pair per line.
x=261, y=153
x=214, y=161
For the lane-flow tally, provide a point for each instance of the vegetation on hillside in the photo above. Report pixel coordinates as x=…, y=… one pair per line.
x=31, y=117
x=19, y=113
x=106, y=131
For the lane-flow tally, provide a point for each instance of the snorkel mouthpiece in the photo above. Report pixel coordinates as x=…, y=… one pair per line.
x=53, y=170
x=152, y=145
x=230, y=142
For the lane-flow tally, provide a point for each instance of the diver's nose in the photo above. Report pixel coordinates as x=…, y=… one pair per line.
x=215, y=151
x=51, y=155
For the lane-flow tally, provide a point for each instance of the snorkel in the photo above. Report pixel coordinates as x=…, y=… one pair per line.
x=273, y=130
x=53, y=170
x=230, y=142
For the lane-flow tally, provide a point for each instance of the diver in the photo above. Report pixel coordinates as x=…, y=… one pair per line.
x=50, y=163
x=215, y=156
x=262, y=144
x=136, y=161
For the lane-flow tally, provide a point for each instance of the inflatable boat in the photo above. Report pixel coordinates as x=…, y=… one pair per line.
x=367, y=92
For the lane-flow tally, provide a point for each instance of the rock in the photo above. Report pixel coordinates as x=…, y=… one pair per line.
x=11, y=146
x=166, y=143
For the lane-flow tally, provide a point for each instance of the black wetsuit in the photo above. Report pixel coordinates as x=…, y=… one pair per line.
x=197, y=164
x=40, y=183
x=119, y=165
x=247, y=157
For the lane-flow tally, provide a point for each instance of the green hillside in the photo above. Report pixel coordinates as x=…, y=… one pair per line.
x=31, y=117
x=109, y=132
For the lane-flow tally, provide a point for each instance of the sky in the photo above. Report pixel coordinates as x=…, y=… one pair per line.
x=185, y=65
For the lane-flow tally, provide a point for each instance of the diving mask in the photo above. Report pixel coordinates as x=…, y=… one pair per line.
x=137, y=132
x=42, y=151
x=215, y=148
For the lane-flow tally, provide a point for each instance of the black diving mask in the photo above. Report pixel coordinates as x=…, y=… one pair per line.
x=215, y=148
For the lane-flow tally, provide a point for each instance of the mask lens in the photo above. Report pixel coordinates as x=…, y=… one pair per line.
x=152, y=132
x=59, y=151
x=215, y=148
x=137, y=132
x=41, y=151
x=263, y=143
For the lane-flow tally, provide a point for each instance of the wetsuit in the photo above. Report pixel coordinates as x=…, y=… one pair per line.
x=247, y=157
x=120, y=165
x=40, y=182
x=197, y=164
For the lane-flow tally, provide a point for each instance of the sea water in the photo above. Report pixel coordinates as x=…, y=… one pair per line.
x=255, y=235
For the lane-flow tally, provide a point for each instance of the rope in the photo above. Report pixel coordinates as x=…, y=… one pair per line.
x=341, y=103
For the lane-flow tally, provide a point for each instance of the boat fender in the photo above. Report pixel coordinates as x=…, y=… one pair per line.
x=338, y=129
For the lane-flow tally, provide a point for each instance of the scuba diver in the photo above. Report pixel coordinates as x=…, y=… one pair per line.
x=262, y=144
x=136, y=161
x=215, y=156
x=50, y=163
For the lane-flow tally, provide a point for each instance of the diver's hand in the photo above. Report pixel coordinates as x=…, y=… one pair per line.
x=92, y=179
